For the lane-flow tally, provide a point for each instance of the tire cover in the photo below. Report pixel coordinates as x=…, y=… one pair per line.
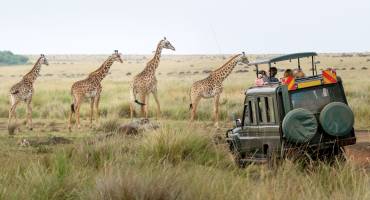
x=337, y=119
x=299, y=125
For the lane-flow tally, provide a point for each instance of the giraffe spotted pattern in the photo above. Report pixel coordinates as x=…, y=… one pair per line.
x=145, y=82
x=211, y=87
x=23, y=91
x=90, y=88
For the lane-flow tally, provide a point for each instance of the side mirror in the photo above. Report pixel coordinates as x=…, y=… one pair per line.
x=238, y=123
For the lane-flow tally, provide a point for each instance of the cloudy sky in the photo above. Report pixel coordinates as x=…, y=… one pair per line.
x=192, y=26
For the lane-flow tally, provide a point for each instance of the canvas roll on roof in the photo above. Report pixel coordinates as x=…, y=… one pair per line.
x=283, y=58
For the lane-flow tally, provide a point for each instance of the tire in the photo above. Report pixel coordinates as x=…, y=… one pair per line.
x=332, y=155
x=272, y=160
x=337, y=119
x=238, y=157
x=299, y=125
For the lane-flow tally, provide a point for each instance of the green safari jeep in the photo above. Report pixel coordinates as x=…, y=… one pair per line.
x=309, y=113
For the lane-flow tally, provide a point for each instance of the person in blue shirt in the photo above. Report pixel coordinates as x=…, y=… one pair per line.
x=272, y=73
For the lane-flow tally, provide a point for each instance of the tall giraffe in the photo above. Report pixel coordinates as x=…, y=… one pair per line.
x=211, y=87
x=145, y=82
x=91, y=88
x=23, y=91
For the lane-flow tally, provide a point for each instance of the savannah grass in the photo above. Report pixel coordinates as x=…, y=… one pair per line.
x=177, y=161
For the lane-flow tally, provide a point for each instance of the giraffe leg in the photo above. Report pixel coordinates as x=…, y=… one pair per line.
x=73, y=110
x=142, y=107
x=194, y=108
x=146, y=106
x=91, y=111
x=12, y=112
x=132, y=100
x=216, y=105
x=29, y=114
x=132, y=109
x=96, y=102
x=155, y=95
x=78, y=106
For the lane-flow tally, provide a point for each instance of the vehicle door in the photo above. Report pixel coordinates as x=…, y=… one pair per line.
x=268, y=126
x=250, y=126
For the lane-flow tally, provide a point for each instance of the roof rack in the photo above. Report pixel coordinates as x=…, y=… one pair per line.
x=287, y=57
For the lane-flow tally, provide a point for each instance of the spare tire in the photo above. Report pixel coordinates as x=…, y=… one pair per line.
x=337, y=119
x=299, y=125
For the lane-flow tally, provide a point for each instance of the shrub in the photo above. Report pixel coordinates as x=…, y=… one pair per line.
x=173, y=146
x=8, y=58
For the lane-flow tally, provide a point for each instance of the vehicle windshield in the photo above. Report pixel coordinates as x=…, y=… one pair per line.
x=314, y=99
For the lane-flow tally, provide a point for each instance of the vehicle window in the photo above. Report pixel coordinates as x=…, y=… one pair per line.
x=253, y=113
x=314, y=99
x=270, y=109
x=250, y=113
x=262, y=117
x=266, y=113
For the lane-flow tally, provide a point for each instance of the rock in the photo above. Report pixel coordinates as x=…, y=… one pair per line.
x=128, y=129
x=136, y=126
x=54, y=140
x=24, y=143
x=59, y=140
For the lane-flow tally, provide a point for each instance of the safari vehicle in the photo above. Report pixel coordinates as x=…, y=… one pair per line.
x=309, y=113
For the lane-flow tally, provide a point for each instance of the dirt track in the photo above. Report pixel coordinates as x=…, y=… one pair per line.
x=360, y=152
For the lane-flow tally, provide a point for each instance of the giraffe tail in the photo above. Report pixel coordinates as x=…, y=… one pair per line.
x=14, y=92
x=133, y=96
x=73, y=108
x=191, y=104
x=138, y=102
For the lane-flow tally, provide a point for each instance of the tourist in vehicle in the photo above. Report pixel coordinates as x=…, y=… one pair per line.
x=261, y=78
x=287, y=73
x=272, y=74
x=298, y=73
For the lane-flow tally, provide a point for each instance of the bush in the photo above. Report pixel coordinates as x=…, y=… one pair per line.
x=8, y=58
x=176, y=146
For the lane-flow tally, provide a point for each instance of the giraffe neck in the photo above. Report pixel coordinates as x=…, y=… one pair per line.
x=103, y=70
x=152, y=65
x=32, y=75
x=224, y=71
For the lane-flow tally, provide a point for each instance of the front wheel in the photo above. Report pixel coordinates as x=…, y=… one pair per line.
x=238, y=157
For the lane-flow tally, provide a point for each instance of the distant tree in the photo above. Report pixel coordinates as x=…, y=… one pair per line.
x=8, y=58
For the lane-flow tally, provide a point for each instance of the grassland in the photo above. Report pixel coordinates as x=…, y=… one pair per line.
x=177, y=161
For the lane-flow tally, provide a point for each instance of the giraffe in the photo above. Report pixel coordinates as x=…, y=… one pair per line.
x=90, y=88
x=211, y=87
x=23, y=91
x=145, y=82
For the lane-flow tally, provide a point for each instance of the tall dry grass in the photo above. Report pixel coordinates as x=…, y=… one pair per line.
x=169, y=163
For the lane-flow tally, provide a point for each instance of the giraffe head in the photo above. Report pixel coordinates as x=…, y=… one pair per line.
x=43, y=60
x=166, y=44
x=243, y=58
x=117, y=56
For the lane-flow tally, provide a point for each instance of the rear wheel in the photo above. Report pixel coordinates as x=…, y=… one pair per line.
x=335, y=154
x=239, y=160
